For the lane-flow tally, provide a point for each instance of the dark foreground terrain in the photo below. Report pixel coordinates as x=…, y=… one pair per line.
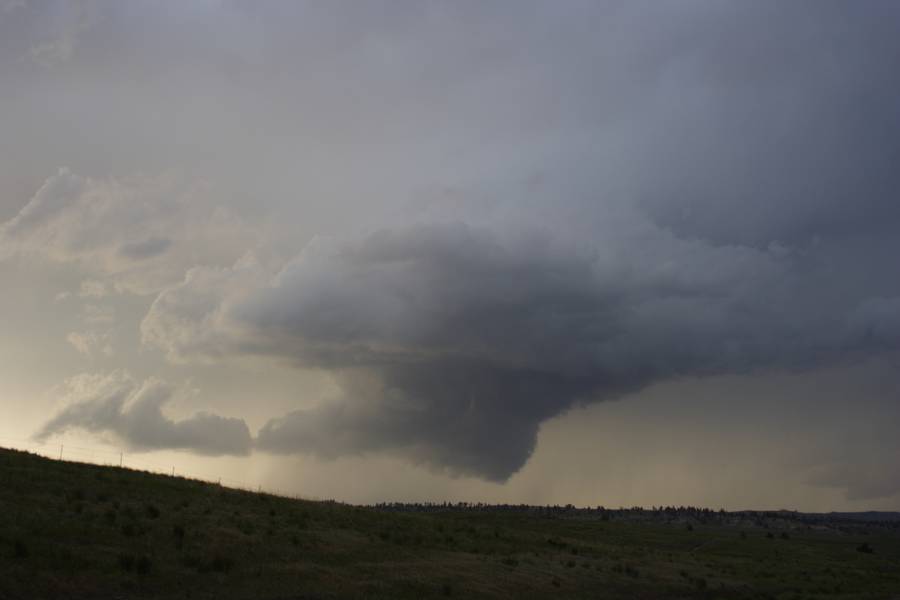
x=71, y=530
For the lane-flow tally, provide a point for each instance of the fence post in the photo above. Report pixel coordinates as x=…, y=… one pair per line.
x=60, y=451
x=120, y=460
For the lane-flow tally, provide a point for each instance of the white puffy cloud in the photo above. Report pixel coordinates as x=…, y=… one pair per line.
x=91, y=343
x=91, y=288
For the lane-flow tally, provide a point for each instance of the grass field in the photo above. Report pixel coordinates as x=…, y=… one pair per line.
x=71, y=530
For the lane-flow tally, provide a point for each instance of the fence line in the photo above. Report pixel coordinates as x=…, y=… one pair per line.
x=114, y=458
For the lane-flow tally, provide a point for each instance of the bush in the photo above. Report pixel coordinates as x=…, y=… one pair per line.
x=152, y=511
x=126, y=562
x=865, y=548
x=143, y=565
x=222, y=564
x=178, y=534
x=20, y=549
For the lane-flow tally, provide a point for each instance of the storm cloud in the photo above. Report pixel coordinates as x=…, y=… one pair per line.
x=131, y=411
x=496, y=214
x=467, y=339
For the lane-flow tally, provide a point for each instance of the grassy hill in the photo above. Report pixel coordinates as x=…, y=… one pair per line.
x=71, y=530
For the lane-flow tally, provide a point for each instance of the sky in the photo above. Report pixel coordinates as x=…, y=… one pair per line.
x=603, y=253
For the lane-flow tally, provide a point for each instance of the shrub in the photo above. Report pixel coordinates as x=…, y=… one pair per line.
x=143, y=565
x=152, y=511
x=126, y=562
x=865, y=548
x=20, y=549
x=222, y=564
x=178, y=534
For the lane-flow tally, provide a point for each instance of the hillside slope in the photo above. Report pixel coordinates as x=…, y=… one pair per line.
x=83, y=531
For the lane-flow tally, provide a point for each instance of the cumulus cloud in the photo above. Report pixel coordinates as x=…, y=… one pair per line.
x=132, y=411
x=92, y=289
x=91, y=343
x=140, y=233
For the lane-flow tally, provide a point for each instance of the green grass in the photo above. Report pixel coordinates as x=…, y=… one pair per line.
x=71, y=530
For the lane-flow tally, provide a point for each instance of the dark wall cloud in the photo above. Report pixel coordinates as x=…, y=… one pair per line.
x=473, y=338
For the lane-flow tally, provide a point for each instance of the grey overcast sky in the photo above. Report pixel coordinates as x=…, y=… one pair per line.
x=605, y=253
